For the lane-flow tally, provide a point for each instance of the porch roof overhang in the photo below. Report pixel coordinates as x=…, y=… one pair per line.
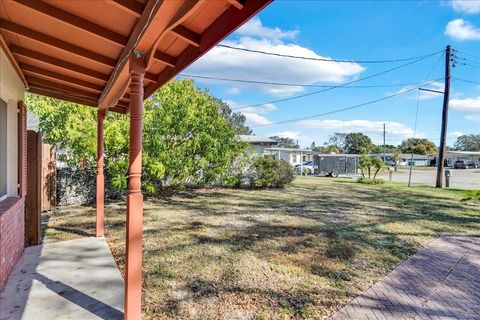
x=78, y=50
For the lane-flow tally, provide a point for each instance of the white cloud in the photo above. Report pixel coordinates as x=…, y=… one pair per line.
x=269, y=107
x=467, y=6
x=287, y=134
x=456, y=134
x=255, y=115
x=255, y=28
x=254, y=119
x=467, y=104
x=473, y=117
x=460, y=29
x=233, y=90
x=234, y=64
x=366, y=126
x=424, y=95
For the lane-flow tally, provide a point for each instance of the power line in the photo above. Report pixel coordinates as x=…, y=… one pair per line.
x=325, y=59
x=333, y=87
x=465, y=62
x=295, y=84
x=467, y=54
x=344, y=109
x=466, y=80
x=434, y=139
x=472, y=61
x=471, y=65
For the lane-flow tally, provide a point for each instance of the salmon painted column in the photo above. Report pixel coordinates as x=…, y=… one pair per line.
x=100, y=229
x=133, y=270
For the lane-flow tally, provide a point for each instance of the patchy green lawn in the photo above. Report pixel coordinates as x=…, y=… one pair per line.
x=301, y=252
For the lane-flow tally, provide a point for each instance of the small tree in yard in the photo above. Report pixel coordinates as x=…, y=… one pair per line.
x=368, y=166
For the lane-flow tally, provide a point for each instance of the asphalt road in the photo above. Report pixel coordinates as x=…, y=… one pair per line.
x=460, y=178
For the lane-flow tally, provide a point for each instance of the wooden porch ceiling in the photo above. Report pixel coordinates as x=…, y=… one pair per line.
x=78, y=50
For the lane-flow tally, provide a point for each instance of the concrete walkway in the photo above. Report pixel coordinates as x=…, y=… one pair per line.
x=441, y=281
x=76, y=279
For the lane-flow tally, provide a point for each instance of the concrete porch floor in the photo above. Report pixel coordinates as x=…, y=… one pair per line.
x=76, y=279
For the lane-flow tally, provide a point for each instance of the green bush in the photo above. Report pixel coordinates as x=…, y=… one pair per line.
x=271, y=173
x=370, y=181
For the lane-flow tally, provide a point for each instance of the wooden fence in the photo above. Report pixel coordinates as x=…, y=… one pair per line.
x=41, y=167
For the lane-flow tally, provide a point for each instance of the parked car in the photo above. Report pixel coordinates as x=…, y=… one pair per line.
x=464, y=164
x=307, y=168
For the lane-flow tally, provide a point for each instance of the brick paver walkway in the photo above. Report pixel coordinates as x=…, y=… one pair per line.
x=442, y=281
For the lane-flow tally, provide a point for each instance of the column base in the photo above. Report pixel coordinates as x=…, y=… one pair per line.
x=133, y=269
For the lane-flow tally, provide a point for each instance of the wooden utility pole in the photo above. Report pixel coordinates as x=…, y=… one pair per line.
x=443, y=134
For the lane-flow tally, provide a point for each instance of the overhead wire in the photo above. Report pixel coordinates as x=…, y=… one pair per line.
x=344, y=108
x=467, y=54
x=400, y=140
x=325, y=59
x=466, y=80
x=333, y=87
x=361, y=104
x=286, y=84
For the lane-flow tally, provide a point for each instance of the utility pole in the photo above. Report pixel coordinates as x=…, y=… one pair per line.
x=443, y=134
x=384, y=143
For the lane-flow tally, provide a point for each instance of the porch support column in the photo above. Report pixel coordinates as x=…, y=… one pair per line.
x=133, y=271
x=100, y=178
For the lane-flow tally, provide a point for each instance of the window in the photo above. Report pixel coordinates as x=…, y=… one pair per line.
x=3, y=149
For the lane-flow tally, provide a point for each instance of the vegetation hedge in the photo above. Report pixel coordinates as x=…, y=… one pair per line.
x=271, y=173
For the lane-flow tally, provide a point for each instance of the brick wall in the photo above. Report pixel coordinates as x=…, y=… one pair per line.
x=12, y=229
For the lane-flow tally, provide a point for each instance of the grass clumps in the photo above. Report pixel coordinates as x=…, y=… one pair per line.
x=473, y=195
x=300, y=252
x=340, y=249
x=371, y=181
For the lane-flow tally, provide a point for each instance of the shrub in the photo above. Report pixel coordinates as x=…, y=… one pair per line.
x=271, y=173
x=370, y=181
x=284, y=173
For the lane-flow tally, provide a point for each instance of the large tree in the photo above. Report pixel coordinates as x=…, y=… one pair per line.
x=418, y=146
x=237, y=119
x=356, y=143
x=469, y=142
x=283, y=142
x=338, y=140
x=185, y=137
x=389, y=148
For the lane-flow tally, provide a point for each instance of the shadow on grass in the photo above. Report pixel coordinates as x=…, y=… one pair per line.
x=339, y=222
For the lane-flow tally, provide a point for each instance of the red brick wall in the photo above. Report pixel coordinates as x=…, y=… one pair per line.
x=12, y=229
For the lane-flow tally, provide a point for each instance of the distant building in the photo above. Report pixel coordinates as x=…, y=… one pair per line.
x=258, y=144
x=291, y=155
x=404, y=159
x=452, y=156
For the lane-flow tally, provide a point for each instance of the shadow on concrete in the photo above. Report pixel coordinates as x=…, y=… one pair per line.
x=78, y=278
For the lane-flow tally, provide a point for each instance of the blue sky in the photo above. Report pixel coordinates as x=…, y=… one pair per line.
x=352, y=30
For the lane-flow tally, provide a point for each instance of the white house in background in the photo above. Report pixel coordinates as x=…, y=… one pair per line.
x=258, y=144
x=452, y=156
x=404, y=158
x=291, y=155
